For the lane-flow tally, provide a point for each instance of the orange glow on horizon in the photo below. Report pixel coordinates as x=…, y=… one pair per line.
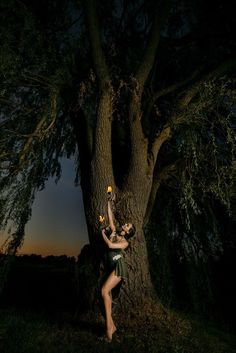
x=46, y=247
x=30, y=250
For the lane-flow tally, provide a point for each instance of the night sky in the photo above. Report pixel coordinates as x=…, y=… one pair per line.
x=57, y=226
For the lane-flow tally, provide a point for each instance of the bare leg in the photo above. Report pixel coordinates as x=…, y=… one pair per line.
x=110, y=283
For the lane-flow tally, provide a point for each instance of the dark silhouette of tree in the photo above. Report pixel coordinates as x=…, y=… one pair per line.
x=143, y=95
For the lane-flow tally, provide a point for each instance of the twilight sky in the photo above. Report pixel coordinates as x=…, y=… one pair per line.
x=57, y=225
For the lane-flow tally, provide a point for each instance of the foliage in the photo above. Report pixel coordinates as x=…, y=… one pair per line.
x=36, y=64
x=203, y=150
x=191, y=231
x=47, y=74
x=209, y=146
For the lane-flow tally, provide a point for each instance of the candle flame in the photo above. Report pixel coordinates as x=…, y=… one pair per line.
x=109, y=189
x=101, y=219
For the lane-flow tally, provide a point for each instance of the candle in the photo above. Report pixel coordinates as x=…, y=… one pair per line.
x=109, y=189
x=101, y=219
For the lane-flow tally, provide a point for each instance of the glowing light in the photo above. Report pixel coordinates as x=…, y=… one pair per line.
x=101, y=219
x=109, y=189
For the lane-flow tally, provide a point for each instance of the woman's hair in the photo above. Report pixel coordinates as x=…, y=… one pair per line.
x=131, y=233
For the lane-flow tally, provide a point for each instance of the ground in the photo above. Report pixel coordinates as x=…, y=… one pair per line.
x=38, y=315
x=23, y=331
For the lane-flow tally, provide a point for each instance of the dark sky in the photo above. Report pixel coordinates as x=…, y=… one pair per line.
x=57, y=225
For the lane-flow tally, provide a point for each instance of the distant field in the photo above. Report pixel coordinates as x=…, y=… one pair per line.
x=41, y=283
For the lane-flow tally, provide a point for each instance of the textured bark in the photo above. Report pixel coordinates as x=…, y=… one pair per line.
x=138, y=288
x=131, y=205
x=98, y=173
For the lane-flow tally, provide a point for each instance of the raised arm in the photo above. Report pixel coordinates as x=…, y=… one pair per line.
x=121, y=245
x=111, y=217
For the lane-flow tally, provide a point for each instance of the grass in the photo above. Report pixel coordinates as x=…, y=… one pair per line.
x=36, y=332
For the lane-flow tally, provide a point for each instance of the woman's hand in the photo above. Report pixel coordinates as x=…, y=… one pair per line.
x=119, y=245
x=110, y=194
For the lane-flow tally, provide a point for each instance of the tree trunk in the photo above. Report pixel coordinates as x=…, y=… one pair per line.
x=131, y=204
x=132, y=199
x=138, y=287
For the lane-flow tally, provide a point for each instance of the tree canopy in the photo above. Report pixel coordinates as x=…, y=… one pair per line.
x=172, y=55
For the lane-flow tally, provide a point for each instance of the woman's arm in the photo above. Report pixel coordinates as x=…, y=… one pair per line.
x=110, y=217
x=121, y=245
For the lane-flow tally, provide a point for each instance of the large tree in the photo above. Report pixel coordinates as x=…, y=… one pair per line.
x=141, y=91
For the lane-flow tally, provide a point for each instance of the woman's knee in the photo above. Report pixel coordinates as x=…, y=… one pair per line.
x=104, y=292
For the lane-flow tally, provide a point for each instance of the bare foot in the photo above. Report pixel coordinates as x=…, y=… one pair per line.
x=109, y=335
x=110, y=332
x=114, y=329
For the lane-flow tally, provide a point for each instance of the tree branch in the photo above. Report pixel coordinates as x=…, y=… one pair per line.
x=138, y=140
x=96, y=44
x=53, y=109
x=28, y=143
x=164, y=135
x=39, y=132
x=4, y=154
x=83, y=132
x=150, y=53
x=158, y=178
x=102, y=137
x=225, y=67
x=170, y=89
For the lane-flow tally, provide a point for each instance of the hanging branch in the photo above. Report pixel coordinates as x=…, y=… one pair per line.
x=39, y=132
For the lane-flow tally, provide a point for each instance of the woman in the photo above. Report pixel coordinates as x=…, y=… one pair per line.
x=117, y=270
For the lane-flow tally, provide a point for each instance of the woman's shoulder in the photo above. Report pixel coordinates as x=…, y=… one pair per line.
x=124, y=241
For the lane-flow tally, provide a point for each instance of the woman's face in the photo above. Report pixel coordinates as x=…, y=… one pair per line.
x=126, y=227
